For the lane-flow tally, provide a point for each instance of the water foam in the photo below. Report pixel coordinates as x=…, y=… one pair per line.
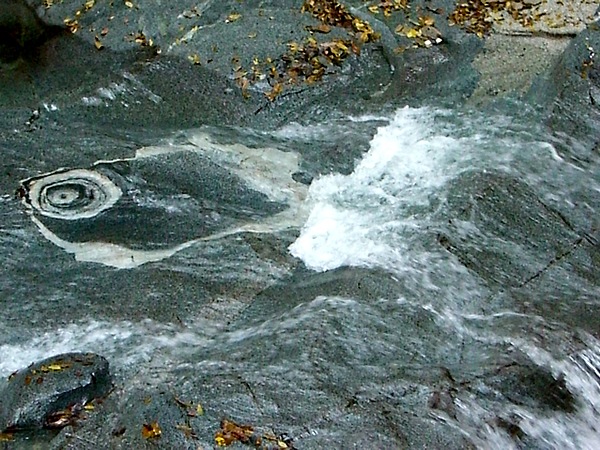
x=368, y=218
x=125, y=344
x=355, y=217
x=551, y=348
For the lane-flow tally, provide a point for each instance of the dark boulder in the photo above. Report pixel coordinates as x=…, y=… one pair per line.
x=21, y=31
x=533, y=386
x=499, y=228
x=150, y=417
x=51, y=392
x=570, y=97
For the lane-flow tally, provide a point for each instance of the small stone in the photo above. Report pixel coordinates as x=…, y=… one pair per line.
x=49, y=391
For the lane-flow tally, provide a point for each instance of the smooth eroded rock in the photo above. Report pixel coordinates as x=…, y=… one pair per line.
x=499, y=228
x=49, y=392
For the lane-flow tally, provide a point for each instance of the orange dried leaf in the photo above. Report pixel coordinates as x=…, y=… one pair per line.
x=322, y=28
x=6, y=437
x=274, y=92
x=151, y=430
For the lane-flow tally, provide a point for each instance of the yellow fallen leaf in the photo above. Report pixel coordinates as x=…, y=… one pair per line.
x=6, y=437
x=151, y=430
x=233, y=17
x=194, y=59
x=97, y=43
x=413, y=33
x=71, y=24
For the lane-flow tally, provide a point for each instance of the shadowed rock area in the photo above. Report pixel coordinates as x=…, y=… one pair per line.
x=51, y=393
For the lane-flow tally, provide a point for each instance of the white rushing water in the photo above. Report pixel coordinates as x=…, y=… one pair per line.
x=370, y=219
x=357, y=219
x=127, y=345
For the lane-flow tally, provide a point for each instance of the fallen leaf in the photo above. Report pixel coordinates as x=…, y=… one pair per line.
x=151, y=430
x=413, y=33
x=233, y=17
x=274, y=92
x=71, y=24
x=194, y=59
x=6, y=437
x=427, y=20
x=182, y=403
x=322, y=28
x=188, y=431
x=62, y=418
x=57, y=366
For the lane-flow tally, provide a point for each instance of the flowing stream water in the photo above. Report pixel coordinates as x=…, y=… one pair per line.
x=417, y=185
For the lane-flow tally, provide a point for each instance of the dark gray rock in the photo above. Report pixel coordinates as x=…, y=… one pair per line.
x=208, y=199
x=569, y=95
x=232, y=41
x=499, y=228
x=533, y=386
x=53, y=391
x=142, y=418
x=21, y=31
x=347, y=358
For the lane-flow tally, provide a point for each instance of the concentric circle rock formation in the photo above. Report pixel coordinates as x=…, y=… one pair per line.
x=70, y=194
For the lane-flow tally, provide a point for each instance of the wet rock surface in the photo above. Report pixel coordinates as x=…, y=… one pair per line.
x=569, y=94
x=53, y=392
x=488, y=211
